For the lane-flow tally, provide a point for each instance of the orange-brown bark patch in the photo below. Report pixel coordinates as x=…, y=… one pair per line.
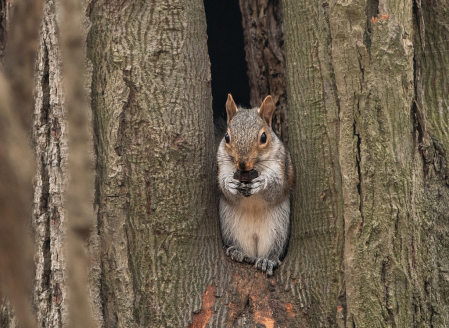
x=289, y=309
x=374, y=20
x=385, y=17
x=241, y=283
x=267, y=321
x=260, y=301
x=202, y=318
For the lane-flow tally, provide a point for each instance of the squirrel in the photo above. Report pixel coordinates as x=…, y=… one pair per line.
x=255, y=176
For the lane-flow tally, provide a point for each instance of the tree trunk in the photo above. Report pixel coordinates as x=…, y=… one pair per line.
x=49, y=215
x=155, y=187
x=431, y=112
x=368, y=136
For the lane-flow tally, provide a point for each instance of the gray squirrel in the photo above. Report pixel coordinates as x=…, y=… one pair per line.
x=255, y=176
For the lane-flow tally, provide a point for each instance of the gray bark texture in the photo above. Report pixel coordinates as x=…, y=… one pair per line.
x=155, y=187
x=368, y=128
x=369, y=138
x=51, y=180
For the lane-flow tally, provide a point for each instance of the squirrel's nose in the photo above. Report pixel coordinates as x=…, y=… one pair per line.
x=242, y=166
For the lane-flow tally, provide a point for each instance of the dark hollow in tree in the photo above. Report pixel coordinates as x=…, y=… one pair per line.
x=226, y=54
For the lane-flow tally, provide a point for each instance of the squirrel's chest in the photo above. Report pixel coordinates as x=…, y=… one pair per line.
x=251, y=208
x=253, y=226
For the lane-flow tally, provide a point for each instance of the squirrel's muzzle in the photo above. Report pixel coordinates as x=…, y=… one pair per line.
x=243, y=163
x=242, y=166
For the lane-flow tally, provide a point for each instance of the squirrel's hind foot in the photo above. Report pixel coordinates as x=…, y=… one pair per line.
x=262, y=264
x=266, y=265
x=237, y=255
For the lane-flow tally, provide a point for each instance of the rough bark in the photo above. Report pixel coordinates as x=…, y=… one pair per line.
x=264, y=46
x=51, y=180
x=370, y=218
x=155, y=187
x=431, y=118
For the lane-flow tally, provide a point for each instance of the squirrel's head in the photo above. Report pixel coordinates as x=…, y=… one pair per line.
x=249, y=133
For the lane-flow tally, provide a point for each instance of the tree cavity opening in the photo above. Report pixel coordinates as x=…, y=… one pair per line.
x=227, y=55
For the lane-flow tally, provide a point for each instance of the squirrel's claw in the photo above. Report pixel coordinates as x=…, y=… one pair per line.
x=266, y=265
x=261, y=264
x=258, y=184
x=232, y=185
x=235, y=254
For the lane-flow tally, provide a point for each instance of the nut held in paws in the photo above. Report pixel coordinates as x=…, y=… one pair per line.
x=246, y=176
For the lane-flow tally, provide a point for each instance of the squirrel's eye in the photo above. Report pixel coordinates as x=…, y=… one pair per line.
x=227, y=138
x=263, y=138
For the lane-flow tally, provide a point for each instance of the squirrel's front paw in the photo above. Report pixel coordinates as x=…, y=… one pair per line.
x=232, y=185
x=266, y=265
x=258, y=184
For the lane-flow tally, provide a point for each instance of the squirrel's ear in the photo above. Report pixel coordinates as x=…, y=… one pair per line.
x=231, y=108
x=266, y=110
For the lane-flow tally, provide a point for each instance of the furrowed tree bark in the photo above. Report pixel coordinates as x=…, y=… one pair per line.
x=50, y=132
x=161, y=257
x=368, y=136
x=431, y=112
x=159, y=251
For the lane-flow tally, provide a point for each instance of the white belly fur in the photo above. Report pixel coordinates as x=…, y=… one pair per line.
x=254, y=224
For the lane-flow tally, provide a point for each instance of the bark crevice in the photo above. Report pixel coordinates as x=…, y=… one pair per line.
x=358, y=160
x=418, y=14
x=122, y=144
